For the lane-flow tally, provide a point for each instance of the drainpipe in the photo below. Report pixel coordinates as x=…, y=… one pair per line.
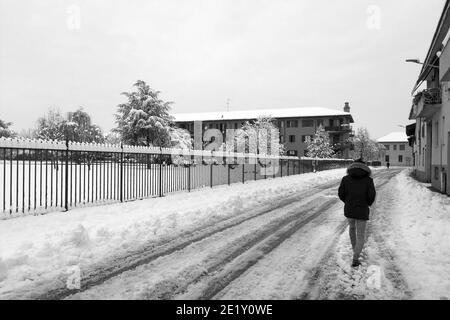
x=441, y=147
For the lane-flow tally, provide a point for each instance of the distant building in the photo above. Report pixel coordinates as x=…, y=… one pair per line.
x=397, y=150
x=430, y=134
x=294, y=124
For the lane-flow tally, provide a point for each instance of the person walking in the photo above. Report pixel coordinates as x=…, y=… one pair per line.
x=388, y=164
x=357, y=191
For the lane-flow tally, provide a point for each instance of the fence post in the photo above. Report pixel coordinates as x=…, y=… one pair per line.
x=281, y=167
x=211, y=175
x=211, y=170
x=274, y=173
x=66, y=182
x=243, y=170
x=189, y=173
x=160, y=173
x=121, y=174
x=228, y=165
x=265, y=168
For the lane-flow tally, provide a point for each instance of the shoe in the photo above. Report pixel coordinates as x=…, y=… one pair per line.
x=355, y=263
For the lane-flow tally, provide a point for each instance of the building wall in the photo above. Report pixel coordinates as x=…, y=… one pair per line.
x=432, y=145
x=440, y=142
x=407, y=154
x=300, y=131
x=420, y=149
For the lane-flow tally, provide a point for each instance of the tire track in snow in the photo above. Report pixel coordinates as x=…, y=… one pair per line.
x=154, y=251
x=391, y=270
x=231, y=273
x=149, y=253
x=167, y=288
x=219, y=274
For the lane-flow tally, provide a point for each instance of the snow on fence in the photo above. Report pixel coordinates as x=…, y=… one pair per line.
x=41, y=176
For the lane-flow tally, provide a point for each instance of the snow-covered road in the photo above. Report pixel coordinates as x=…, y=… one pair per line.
x=269, y=253
x=272, y=239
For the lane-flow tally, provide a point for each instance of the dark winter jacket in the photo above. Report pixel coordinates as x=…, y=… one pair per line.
x=357, y=191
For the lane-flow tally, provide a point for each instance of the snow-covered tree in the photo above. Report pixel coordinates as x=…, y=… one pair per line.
x=51, y=126
x=365, y=147
x=77, y=127
x=112, y=138
x=5, y=131
x=257, y=136
x=180, y=138
x=319, y=146
x=144, y=119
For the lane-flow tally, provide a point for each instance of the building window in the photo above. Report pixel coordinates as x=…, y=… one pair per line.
x=281, y=139
x=436, y=173
x=292, y=138
x=304, y=138
x=387, y=146
x=235, y=125
x=402, y=147
x=386, y=158
x=292, y=123
x=320, y=122
x=307, y=123
x=400, y=158
x=395, y=147
x=292, y=153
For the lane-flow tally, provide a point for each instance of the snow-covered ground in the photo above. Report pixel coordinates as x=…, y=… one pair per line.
x=36, y=250
x=269, y=239
x=407, y=255
x=414, y=222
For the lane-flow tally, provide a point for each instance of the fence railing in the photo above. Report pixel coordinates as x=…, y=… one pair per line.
x=42, y=176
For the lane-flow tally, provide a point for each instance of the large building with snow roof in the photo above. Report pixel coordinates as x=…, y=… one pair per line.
x=294, y=124
x=430, y=133
x=397, y=150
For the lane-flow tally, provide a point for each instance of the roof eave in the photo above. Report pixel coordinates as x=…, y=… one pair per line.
x=435, y=45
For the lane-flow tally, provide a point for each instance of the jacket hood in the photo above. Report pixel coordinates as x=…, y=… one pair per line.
x=358, y=170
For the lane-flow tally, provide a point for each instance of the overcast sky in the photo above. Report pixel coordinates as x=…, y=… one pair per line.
x=257, y=53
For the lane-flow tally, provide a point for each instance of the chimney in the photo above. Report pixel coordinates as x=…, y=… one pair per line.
x=347, y=107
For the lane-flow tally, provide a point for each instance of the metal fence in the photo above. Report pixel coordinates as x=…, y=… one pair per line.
x=42, y=176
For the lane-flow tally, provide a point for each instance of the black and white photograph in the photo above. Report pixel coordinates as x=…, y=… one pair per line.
x=243, y=151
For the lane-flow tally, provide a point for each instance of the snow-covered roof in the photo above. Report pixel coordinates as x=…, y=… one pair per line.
x=394, y=137
x=253, y=114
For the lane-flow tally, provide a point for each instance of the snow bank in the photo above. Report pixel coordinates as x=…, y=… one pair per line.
x=35, y=250
x=420, y=237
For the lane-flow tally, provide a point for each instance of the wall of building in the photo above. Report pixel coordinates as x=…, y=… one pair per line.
x=406, y=154
x=432, y=145
x=420, y=149
x=440, y=142
x=299, y=131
